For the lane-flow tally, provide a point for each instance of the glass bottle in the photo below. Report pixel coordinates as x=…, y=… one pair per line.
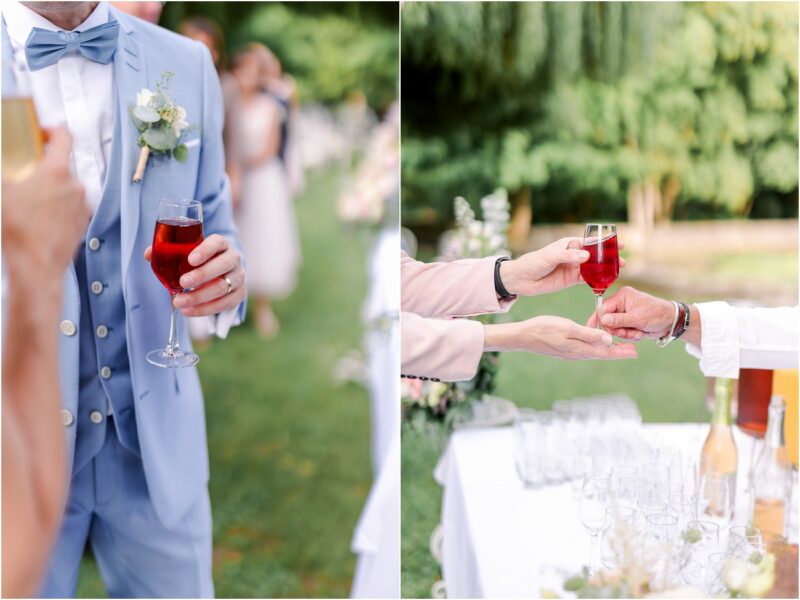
x=719, y=455
x=771, y=478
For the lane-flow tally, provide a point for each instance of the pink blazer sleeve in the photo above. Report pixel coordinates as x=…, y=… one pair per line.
x=440, y=349
x=449, y=289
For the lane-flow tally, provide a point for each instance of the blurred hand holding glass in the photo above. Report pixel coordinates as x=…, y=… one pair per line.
x=22, y=139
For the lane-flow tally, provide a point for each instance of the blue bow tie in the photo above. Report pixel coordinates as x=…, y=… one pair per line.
x=45, y=47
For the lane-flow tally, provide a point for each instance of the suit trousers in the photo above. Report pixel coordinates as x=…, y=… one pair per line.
x=138, y=557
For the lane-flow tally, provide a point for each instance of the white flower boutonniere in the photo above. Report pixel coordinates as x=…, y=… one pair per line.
x=161, y=124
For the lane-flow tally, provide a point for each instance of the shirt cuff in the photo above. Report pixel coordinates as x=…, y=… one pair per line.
x=719, y=341
x=220, y=324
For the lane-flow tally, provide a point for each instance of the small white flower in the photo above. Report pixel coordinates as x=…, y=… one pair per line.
x=179, y=122
x=144, y=97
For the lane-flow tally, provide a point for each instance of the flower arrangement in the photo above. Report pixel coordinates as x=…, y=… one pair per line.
x=751, y=578
x=161, y=124
x=472, y=238
x=645, y=568
x=376, y=181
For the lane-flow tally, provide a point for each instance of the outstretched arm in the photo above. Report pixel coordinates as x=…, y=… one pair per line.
x=466, y=287
x=44, y=219
x=725, y=338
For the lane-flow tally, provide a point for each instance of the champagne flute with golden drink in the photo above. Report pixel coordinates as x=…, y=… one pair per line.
x=22, y=139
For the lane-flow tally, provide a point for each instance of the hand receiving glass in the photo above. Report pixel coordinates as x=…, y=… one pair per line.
x=555, y=336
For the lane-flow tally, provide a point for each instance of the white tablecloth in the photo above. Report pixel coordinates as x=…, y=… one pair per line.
x=503, y=541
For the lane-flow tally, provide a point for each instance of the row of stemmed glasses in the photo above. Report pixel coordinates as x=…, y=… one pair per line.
x=669, y=526
x=576, y=436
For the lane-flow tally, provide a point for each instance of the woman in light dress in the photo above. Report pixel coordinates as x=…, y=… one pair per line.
x=265, y=216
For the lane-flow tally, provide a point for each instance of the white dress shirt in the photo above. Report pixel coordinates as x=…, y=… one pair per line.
x=75, y=92
x=734, y=338
x=78, y=93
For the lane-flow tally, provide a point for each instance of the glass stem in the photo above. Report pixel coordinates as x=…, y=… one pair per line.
x=172, y=344
x=598, y=302
x=593, y=539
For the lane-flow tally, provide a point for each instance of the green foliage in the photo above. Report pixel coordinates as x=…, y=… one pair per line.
x=582, y=101
x=332, y=51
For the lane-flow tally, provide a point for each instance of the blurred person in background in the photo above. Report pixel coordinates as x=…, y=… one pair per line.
x=283, y=88
x=147, y=11
x=44, y=220
x=208, y=33
x=266, y=218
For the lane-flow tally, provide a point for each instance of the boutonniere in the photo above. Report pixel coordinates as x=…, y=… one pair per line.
x=161, y=124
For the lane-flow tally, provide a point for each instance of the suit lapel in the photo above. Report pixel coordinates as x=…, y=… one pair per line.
x=130, y=76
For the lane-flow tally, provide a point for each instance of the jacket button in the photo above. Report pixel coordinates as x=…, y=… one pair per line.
x=434, y=379
x=68, y=328
x=96, y=417
x=423, y=379
x=97, y=288
x=102, y=331
x=66, y=418
x=94, y=244
x=105, y=372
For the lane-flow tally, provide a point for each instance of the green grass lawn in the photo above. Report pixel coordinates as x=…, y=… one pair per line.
x=289, y=448
x=666, y=383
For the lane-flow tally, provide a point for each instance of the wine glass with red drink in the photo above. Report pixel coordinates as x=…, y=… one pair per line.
x=602, y=268
x=179, y=230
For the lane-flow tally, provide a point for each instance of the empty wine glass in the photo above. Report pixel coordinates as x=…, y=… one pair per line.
x=646, y=507
x=630, y=490
x=619, y=523
x=742, y=539
x=701, y=538
x=684, y=506
x=657, y=480
x=530, y=446
x=592, y=511
x=621, y=472
x=662, y=526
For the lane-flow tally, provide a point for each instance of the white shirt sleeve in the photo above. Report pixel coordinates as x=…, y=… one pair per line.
x=736, y=338
x=219, y=325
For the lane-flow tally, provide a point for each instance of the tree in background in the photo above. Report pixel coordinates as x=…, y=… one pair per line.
x=647, y=111
x=331, y=49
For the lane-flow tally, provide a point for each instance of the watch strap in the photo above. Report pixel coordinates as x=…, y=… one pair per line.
x=501, y=290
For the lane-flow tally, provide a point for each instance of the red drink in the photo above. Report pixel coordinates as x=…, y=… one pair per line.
x=755, y=390
x=602, y=268
x=173, y=240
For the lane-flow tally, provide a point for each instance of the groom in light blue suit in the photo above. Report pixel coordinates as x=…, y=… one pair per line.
x=135, y=432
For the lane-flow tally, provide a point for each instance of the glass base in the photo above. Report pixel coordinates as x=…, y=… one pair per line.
x=175, y=360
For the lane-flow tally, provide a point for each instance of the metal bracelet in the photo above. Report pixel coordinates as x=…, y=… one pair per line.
x=663, y=341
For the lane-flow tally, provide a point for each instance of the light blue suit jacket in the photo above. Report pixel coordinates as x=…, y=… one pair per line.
x=168, y=402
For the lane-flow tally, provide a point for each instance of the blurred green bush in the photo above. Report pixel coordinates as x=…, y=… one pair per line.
x=332, y=49
x=594, y=107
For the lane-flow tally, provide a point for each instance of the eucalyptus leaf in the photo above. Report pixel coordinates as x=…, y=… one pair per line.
x=573, y=584
x=146, y=114
x=162, y=138
x=181, y=153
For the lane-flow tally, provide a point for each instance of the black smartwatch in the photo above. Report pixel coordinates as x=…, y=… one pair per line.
x=501, y=290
